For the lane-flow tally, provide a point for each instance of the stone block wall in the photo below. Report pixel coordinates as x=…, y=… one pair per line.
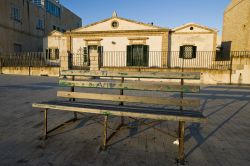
x=236, y=26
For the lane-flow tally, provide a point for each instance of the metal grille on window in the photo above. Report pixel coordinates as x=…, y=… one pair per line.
x=188, y=52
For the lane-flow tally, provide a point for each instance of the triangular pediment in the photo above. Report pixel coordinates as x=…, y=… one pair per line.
x=55, y=33
x=193, y=28
x=122, y=24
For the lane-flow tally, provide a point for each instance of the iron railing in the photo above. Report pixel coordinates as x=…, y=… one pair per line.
x=201, y=60
x=240, y=54
x=79, y=61
x=28, y=59
x=154, y=59
x=169, y=59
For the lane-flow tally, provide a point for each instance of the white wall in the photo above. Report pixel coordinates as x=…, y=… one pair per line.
x=204, y=42
x=115, y=49
x=205, y=46
x=55, y=42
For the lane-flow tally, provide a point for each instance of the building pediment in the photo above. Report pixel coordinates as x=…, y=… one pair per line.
x=117, y=24
x=193, y=28
x=55, y=33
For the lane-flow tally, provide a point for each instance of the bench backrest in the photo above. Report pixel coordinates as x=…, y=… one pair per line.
x=132, y=85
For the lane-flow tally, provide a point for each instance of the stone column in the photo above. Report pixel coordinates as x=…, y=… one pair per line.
x=94, y=60
x=164, y=56
x=65, y=61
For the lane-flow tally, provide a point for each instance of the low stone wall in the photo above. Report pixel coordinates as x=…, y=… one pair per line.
x=33, y=71
x=240, y=73
x=241, y=70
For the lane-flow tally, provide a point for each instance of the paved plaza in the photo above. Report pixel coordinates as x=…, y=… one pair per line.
x=223, y=141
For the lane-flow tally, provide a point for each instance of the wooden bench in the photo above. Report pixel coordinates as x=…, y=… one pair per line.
x=121, y=108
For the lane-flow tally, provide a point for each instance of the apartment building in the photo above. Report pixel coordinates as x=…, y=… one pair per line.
x=24, y=23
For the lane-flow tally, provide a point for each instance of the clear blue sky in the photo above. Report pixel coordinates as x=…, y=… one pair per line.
x=164, y=13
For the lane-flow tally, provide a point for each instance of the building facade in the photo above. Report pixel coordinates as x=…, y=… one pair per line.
x=134, y=41
x=193, y=42
x=236, y=26
x=24, y=23
x=126, y=43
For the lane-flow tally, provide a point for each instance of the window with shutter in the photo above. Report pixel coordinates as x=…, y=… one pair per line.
x=187, y=51
x=145, y=55
x=52, y=53
x=137, y=55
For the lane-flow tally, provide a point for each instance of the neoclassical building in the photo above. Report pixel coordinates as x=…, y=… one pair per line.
x=123, y=42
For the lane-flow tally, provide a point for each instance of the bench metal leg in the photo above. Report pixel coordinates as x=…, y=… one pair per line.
x=104, y=147
x=181, y=157
x=45, y=131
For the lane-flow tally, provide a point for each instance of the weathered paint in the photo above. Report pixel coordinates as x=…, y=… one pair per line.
x=131, y=99
x=132, y=86
x=107, y=113
x=156, y=75
x=163, y=116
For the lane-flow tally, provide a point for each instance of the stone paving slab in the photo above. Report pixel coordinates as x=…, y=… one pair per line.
x=223, y=140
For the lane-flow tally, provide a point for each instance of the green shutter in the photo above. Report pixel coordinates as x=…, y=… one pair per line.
x=100, y=49
x=47, y=53
x=50, y=54
x=100, y=52
x=57, y=53
x=181, y=52
x=145, y=55
x=85, y=54
x=129, y=55
x=194, y=51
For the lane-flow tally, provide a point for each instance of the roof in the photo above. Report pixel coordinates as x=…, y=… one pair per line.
x=114, y=16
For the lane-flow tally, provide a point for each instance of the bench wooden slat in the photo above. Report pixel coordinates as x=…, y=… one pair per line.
x=156, y=75
x=132, y=86
x=124, y=111
x=135, y=99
